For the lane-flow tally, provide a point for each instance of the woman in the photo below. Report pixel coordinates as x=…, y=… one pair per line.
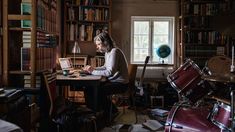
x=114, y=69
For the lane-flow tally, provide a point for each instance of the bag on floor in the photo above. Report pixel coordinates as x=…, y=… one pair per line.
x=77, y=120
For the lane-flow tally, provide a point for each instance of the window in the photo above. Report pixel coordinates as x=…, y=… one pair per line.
x=147, y=35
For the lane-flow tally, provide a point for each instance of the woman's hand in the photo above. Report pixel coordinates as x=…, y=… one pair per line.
x=88, y=68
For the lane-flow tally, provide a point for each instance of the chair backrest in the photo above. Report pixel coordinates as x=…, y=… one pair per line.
x=143, y=72
x=50, y=83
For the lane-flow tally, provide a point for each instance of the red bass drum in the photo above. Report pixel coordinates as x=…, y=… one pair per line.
x=187, y=119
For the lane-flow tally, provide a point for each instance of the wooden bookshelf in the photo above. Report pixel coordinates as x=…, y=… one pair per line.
x=34, y=26
x=1, y=39
x=199, y=39
x=82, y=21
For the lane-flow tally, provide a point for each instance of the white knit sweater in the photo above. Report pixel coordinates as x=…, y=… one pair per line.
x=115, y=67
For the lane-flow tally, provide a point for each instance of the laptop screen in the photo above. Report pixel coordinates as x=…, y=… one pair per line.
x=66, y=63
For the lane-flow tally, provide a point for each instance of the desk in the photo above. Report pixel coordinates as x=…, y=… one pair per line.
x=88, y=81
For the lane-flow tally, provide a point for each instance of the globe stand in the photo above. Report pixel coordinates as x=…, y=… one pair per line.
x=161, y=61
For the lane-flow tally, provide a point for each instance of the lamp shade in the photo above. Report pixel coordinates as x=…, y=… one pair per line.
x=76, y=48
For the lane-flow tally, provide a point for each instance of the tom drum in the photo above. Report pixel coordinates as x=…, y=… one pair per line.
x=187, y=81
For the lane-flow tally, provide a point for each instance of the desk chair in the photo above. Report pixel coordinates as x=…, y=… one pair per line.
x=127, y=96
x=51, y=106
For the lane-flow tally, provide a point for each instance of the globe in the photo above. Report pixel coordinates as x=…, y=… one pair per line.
x=163, y=51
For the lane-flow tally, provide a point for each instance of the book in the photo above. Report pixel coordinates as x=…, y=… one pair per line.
x=153, y=125
x=126, y=128
x=26, y=23
x=159, y=112
x=25, y=59
x=26, y=8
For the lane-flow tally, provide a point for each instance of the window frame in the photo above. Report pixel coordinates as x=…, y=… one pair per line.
x=151, y=20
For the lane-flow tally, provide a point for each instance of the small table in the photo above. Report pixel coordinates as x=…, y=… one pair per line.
x=87, y=81
x=230, y=80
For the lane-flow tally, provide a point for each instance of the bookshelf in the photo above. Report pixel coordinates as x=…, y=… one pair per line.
x=97, y=61
x=1, y=38
x=84, y=19
x=30, y=40
x=199, y=39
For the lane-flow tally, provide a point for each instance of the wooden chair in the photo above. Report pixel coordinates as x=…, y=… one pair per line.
x=53, y=105
x=50, y=85
x=128, y=96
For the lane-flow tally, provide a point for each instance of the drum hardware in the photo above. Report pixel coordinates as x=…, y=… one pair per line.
x=187, y=66
x=172, y=118
x=206, y=71
x=232, y=110
x=201, y=83
x=220, y=116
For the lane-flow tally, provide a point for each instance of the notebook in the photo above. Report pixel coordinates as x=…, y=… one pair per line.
x=66, y=64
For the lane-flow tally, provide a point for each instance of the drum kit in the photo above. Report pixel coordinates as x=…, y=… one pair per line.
x=196, y=110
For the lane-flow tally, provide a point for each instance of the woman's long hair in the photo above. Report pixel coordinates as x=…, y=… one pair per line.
x=106, y=40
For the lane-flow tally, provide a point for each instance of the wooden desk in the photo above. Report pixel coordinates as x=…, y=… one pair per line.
x=88, y=81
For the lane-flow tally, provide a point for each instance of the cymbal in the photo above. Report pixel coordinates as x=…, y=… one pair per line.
x=226, y=78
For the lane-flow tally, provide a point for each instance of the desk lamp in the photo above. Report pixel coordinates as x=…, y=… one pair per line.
x=76, y=49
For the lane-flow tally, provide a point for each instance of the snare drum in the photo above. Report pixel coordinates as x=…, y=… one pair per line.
x=220, y=116
x=187, y=81
x=189, y=119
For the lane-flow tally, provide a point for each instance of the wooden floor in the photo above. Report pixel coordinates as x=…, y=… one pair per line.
x=129, y=117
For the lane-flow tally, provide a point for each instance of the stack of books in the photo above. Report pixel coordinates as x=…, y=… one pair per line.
x=159, y=112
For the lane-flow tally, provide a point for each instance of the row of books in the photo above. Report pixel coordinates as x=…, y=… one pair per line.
x=45, y=59
x=46, y=40
x=51, y=3
x=97, y=61
x=93, y=14
x=93, y=2
x=200, y=51
x=196, y=22
x=43, y=39
x=46, y=15
x=76, y=96
x=209, y=37
x=87, y=13
x=72, y=32
x=27, y=81
x=84, y=32
x=206, y=9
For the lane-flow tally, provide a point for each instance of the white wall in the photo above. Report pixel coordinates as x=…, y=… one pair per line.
x=122, y=10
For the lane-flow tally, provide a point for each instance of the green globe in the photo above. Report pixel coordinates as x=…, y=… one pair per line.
x=163, y=51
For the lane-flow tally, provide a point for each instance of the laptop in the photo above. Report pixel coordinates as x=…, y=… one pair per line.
x=66, y=64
